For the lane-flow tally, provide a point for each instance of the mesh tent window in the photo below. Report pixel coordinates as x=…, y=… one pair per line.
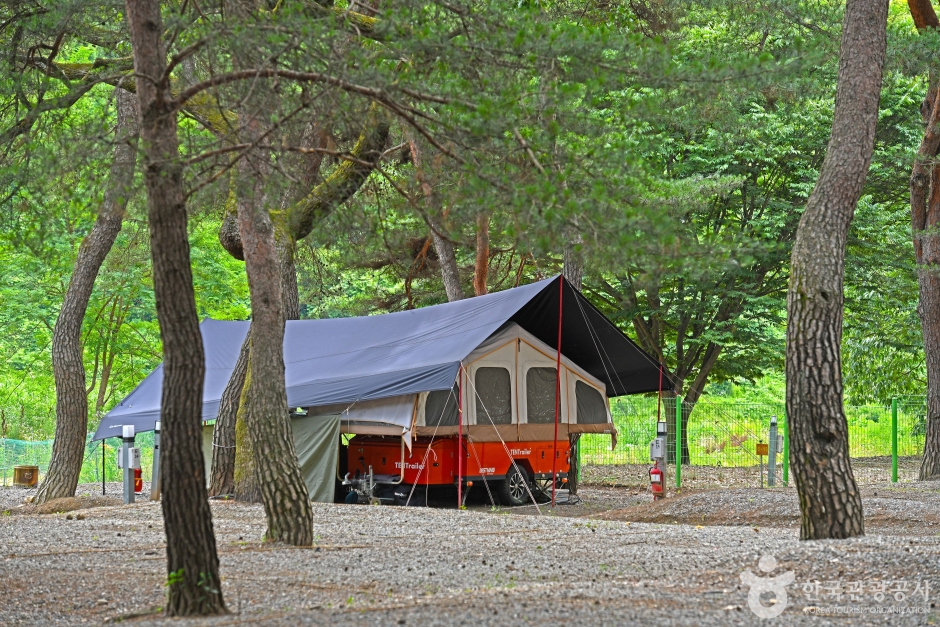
x=540, y=395
x=440, y=408
x=493, y=396
x=591, y=407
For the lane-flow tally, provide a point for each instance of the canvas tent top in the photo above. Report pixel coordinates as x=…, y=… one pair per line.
x=347, y=360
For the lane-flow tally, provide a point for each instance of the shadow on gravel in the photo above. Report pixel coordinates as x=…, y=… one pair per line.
x=888, y=510
x=69, y=504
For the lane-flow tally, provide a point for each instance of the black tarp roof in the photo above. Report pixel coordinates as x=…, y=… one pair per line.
x=343, y=360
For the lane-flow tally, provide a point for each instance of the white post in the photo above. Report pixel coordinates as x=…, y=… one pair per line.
x=127, y=460
x=155, y=474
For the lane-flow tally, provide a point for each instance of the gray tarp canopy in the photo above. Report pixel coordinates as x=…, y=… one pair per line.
x=344, y=360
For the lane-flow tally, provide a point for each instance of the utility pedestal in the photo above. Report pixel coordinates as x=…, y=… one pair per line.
x=772, y=454
x=128, y=459
x=155, y=474
x=658, y=456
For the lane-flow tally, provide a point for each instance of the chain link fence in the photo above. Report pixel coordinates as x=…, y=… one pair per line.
x=720, y=433
x=100, y=458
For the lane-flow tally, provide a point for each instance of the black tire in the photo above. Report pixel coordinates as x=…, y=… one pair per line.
x=514, y=489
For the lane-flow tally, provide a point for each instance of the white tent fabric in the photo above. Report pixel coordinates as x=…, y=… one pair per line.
x=384, y=416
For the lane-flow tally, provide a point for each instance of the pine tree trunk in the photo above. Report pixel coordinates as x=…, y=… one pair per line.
x=925, y=226
x=830, y=502
x=222, y=478
x=236, y=468
x=573, y=268
x=193, y=586
x=442, y=246
x=247, y=486
x=925, y=221
x=482, y=267
x=447, y=258
x=283, y=491
x=68, y=368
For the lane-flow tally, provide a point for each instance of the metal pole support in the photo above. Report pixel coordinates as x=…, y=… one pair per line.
x=678, y=442
x=126, y=460
x=894, y=440
x=786, y=451
x=155, y=473
x=772, y=454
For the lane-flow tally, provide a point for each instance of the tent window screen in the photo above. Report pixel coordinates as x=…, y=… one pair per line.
x=591, y=407
x=440, y=408
x=540, y=395
x=494, y=396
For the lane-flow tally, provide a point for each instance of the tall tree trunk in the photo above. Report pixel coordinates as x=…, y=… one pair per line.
x=193, y=586
x=830, y=502
x=925, y=222
x=442, y=246
x=573, y=268
x=694, y=393
x=222, y=477
x=234, y=471
x=284, y=493
x=68, y=448
x=482, y=267
x=245, y=475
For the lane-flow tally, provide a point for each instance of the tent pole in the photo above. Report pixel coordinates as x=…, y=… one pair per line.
x=561, y=291
x=460, y=439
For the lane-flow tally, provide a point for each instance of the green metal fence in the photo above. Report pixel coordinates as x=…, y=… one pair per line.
x=724, y=433
x=718, y=432
x=23, y=453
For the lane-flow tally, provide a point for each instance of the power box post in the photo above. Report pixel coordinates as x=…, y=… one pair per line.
x=894, y=440
x=678, y=442
x=155, y=472
x=127, y=453
x=772, y=454
x=786, y=450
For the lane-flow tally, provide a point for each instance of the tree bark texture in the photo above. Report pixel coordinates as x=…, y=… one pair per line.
x=68, y=368
x=236, y=464
x=830, y=502
x=222, y=477
x=925, y=229
x=301, y=217
x=482, y=266
x=193, y=586
x=444, y=248
x=573, y=268
x=247, y=486
x=284, y=493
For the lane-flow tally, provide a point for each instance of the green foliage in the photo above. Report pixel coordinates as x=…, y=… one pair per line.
x=671, y=145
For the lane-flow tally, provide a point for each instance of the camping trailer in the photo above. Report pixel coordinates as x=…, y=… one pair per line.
x=474, y=391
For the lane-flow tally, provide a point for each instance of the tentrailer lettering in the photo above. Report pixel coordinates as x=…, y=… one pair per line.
x=410, y=466
x=520, y=451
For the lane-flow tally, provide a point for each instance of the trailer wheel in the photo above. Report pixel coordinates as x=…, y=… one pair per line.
x=514, y=490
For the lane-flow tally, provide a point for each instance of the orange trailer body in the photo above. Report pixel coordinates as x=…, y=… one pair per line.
x=434, y=462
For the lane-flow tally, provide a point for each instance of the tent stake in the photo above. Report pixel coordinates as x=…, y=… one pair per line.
x=561, y=291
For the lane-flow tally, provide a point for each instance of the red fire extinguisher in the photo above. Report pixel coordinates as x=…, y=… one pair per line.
x=656, y=481
x=138, y=481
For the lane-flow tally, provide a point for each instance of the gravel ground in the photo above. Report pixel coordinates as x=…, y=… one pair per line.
x=422, y=566
x=867, y=471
